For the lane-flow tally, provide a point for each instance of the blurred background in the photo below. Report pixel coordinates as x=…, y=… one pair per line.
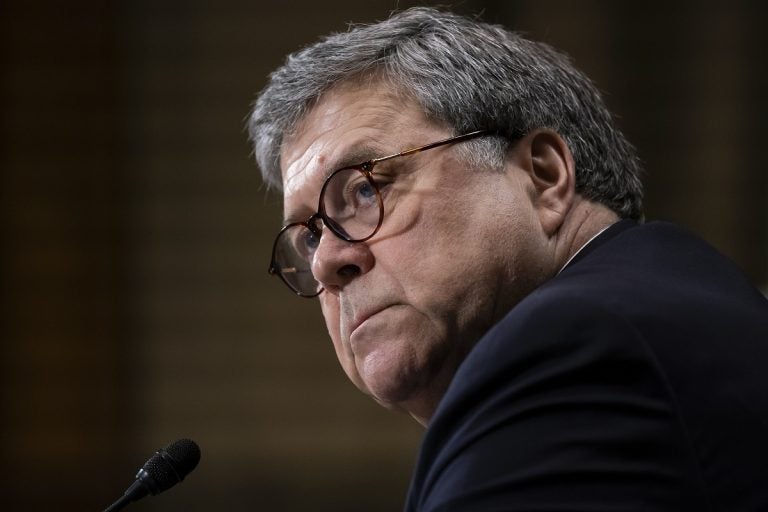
x=136, y=306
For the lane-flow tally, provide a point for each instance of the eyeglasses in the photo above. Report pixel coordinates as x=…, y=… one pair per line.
x=350, y=205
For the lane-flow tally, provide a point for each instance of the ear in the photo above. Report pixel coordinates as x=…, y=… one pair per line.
x=549, y=164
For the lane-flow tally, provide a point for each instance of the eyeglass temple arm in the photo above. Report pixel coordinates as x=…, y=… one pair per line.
x=419, y=149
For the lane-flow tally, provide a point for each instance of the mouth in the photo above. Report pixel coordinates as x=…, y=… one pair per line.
x=359, y=320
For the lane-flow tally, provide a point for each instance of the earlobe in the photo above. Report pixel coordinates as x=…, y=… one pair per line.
x=552, y=173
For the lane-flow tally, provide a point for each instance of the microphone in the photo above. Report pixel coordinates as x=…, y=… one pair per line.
x=167, y=467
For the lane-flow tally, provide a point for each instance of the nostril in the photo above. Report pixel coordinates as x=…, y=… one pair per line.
x=349, y=271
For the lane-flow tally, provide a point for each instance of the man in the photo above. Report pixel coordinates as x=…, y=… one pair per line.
x=465, y=210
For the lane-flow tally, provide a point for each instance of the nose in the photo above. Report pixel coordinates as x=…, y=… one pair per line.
x=337, y=262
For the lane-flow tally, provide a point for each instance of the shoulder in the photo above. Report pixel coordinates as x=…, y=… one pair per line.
x=554, y=401
x=558, y=332
x=576, y=394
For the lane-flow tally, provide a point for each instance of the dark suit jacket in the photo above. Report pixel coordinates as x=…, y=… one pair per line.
x=635, y=380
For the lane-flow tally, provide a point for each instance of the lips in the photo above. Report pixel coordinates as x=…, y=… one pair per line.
x=360, y=318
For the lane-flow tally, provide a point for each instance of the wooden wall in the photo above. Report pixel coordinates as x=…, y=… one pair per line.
x=136, y=308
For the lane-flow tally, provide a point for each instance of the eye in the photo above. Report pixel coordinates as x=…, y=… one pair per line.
x=304, y=242
x=359, y=193
x=309, y=241
x=364, y=191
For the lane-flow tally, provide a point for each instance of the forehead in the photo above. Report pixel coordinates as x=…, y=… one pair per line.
x=348, y=125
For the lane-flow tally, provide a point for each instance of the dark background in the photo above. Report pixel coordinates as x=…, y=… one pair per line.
x=136, y=307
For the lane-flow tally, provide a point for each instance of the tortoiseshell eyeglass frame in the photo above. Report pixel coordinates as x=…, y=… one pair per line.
x=367, y=169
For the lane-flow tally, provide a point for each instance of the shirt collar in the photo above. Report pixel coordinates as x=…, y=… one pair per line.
x=610, y=231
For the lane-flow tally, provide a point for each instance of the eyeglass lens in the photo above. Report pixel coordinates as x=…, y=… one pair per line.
x=350, y=205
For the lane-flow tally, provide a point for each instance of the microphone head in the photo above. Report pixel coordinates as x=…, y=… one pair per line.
x=169, y=465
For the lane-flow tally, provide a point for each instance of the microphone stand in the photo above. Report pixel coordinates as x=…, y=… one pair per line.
x=134, y=492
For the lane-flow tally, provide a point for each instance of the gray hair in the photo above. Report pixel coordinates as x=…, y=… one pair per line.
x=467, y=75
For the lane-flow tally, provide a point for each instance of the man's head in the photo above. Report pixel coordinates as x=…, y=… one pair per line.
x=468, y=229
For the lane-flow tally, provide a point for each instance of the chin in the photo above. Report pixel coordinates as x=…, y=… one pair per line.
x=412, y=388
x=389, y=385
x=402, y=360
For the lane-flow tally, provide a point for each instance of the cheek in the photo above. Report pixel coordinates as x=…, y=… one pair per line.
x=461, y=257
x=329, y=304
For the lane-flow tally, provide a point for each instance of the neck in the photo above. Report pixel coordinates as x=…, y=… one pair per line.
x=583, y=222
x=422, y=407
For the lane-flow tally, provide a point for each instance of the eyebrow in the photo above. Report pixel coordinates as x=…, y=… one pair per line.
x=359, y=154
